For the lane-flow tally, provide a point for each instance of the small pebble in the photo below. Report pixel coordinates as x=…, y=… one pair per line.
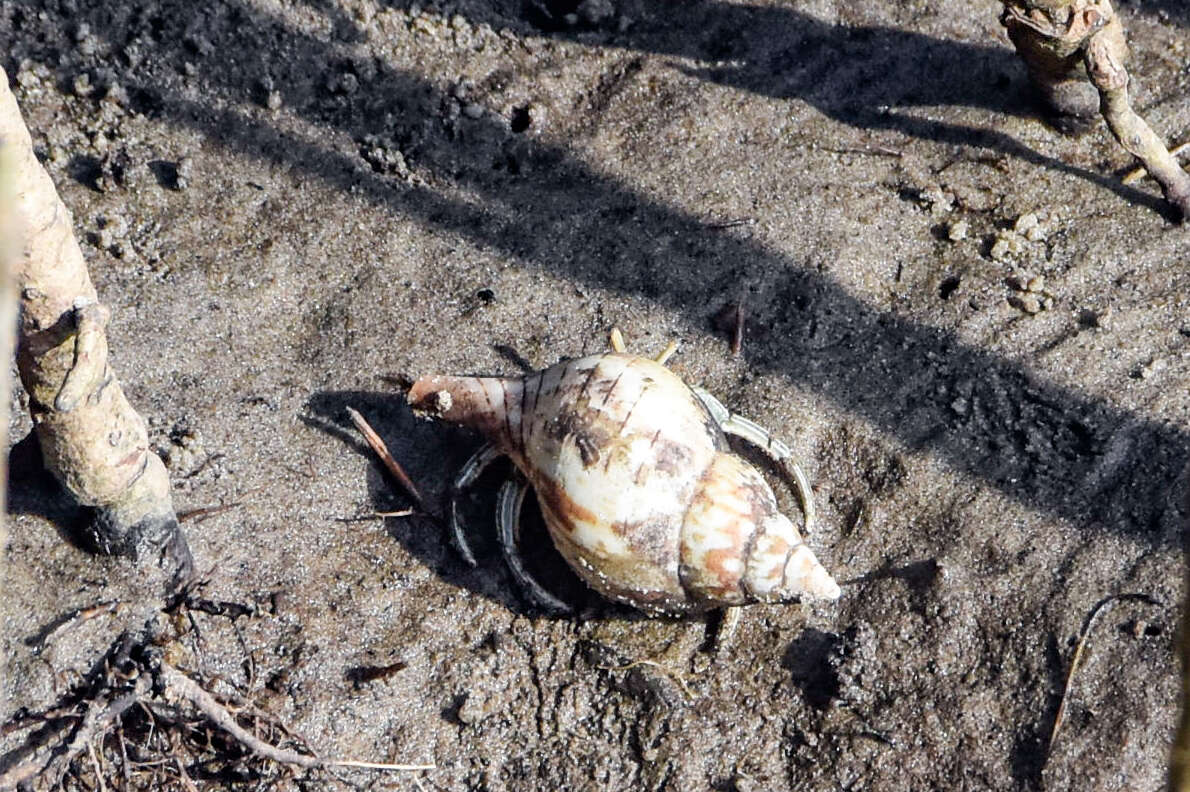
x=82, y=85
x=1027, y=302
x=1007, y=245
x=185, y=172
x=346, y=83
x=1035, y=234
x=956, y=231
x=1026, y=222
x=473, y=110
x=594, y=12
x=474, y=709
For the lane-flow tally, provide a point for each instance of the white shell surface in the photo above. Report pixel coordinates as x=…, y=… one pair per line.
x=615, y=446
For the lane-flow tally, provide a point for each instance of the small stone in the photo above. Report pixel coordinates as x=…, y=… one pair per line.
x=462, y=89
x=1151, y=368
x=474, y=709
x=115, y=225
x=273, y=101
x=185, y=170
x=937, y=201
x=473, y=110
x=1035, y=284
x=82, y=85
x=594, y=12
x=1006, y=246
x=1028, y=302
x=345, y=83
x=1035, y=234
x=742, y=783
x=956, y=231
x=1026, y=222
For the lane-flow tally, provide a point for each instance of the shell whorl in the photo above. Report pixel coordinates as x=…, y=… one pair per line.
x=737, y=547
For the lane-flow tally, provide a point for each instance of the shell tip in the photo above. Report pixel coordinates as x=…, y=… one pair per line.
x=807, y=578
x=429, y=402
x=823, y=586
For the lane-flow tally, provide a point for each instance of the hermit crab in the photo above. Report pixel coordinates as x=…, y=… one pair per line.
x=637, y=485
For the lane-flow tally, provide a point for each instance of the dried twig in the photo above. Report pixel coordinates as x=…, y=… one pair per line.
x=669, y=672
x=180, y=686
x=1100, y=607
x=380, y=515
x=731, y=319
x=94, y=723
x=871, y=151
x=382, y=451
x=724, y=224
x=77, y=616
x=737, y=336
x=98, y=769
x=1136, y=174
x=206, y=511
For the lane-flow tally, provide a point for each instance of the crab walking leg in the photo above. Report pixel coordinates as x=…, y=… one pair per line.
x=616, y=340
x=474, y=467
x=667, y=353
x=758, y=436
x=508, y=511
x=729, y=622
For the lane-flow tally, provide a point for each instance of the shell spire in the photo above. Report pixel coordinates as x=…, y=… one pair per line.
x=491, y=405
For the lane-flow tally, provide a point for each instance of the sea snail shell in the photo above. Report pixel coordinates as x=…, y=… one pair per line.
x=638, y=487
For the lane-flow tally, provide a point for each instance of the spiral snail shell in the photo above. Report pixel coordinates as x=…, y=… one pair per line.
x=637, y=485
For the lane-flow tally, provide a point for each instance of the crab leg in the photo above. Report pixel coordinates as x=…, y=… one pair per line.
x=474, y=467
x=729, y=623
x=667, y=353
x=616, y=341
x=508, y=510
x=773, y=448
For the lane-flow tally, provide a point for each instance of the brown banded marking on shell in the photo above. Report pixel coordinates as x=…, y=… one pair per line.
x=638, y=487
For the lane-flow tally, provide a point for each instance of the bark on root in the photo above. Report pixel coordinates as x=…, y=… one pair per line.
x=7, y=318
x=1076, y=53
x=91, y=439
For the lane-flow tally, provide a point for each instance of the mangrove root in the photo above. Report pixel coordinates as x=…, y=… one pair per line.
x=91, y=439
x=1075, y=52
